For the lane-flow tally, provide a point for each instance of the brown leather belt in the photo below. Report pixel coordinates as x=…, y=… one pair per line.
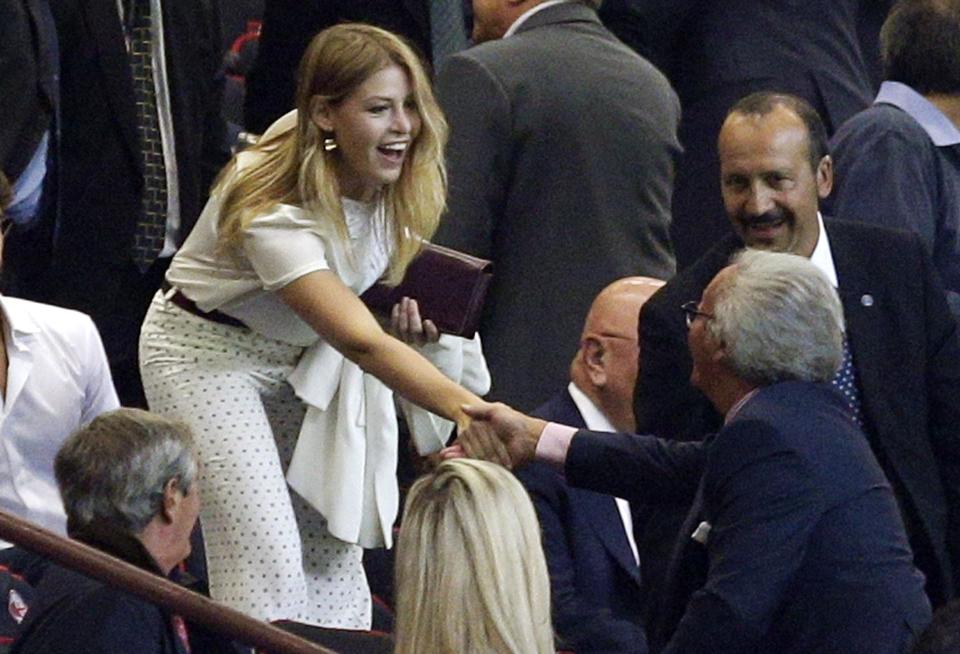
x=190, y=306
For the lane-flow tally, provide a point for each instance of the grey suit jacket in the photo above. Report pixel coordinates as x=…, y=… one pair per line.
x=561, y=157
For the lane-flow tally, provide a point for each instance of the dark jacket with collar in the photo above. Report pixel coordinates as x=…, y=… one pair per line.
x=595, y=582
x=75, y=614
x=805, y=550
x=101, y=178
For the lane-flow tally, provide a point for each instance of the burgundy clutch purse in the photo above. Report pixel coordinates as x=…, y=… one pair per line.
x=449, y=287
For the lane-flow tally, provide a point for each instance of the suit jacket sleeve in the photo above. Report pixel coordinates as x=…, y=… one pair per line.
x=580, y=625
x=17, y=78
x=642, y=469
x=762, y=506
x=478, y=154
x=943, y=388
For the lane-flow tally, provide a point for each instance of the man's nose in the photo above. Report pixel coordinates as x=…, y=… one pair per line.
x=759, y=199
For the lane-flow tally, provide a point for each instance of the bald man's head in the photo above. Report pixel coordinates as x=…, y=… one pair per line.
x=605, y=367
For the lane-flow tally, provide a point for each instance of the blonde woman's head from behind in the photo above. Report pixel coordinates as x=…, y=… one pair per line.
x=471, y=575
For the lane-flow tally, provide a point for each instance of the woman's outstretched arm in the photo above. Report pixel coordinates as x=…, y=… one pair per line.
x=340, y=317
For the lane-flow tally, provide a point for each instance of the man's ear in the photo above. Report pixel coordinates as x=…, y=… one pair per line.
x=320, y=113
x=824, y=177
x=172, y=499
x=593, y=353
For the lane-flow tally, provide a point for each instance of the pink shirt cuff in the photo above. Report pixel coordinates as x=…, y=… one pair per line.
x=554, y=443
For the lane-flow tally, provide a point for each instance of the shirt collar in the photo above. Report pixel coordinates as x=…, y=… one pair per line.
x=528, y=13
x=934, y=122
x=822, y=257
x=592, y=416
x=735, y=409
x=16, y=325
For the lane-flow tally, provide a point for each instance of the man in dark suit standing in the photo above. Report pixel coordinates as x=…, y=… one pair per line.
x=435, y=27
x=800, y=541
x=141, y=141
x=588, y=540
x=714, y=53
x=902, y=378
x=561, y=155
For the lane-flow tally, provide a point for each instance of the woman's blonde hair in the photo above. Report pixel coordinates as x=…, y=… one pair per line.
x=294, y=168
x=471, y=576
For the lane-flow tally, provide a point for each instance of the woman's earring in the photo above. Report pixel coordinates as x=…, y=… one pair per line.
x=329, y=144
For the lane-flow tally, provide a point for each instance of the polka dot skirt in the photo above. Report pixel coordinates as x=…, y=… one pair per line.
x=269, y=553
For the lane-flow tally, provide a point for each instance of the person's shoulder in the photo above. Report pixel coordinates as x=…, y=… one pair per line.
x=877, y=123
x=48, y=318
x=869, y=237
x=72, y=608
x=689, y=282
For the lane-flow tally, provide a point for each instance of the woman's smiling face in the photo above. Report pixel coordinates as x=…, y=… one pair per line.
x=374, y=127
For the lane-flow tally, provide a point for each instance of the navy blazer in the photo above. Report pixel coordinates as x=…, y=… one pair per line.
x=594, y=579
x=906, y=350
x=806, y=550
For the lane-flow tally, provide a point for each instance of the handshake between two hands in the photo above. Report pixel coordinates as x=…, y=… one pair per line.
x=497, y=433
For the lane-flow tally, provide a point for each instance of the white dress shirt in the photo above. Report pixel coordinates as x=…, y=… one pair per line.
x=57, y=380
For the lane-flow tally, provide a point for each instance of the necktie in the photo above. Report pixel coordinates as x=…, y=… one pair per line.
x=151, y=225
x=447, y=31
x=846, y=382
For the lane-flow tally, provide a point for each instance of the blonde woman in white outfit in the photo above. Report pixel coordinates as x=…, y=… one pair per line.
x=260, y=342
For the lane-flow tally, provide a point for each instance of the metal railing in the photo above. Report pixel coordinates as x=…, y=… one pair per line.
x=119, y=574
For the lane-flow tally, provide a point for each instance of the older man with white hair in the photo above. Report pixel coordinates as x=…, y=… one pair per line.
x=794, y=530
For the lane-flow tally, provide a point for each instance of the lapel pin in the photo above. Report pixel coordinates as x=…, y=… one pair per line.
x=866, y=300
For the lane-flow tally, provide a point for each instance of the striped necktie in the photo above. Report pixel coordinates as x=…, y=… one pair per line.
x=151, y=225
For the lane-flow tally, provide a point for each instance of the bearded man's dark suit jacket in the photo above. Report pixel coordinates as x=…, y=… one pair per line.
x=715, y=53
x=594, y=579
x=101, y=179
x=805, y=549
x=905, y=349
x=288, y=27
x=561, y=156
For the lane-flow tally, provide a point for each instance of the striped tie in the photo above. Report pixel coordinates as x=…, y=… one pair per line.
x=151, y=225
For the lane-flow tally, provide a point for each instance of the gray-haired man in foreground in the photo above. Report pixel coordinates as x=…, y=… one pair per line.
x=794, y=540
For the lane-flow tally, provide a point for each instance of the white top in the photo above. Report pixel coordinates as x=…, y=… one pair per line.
x=344, y=463
x=596, y=421
x=57, y=380
x=278, y=247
